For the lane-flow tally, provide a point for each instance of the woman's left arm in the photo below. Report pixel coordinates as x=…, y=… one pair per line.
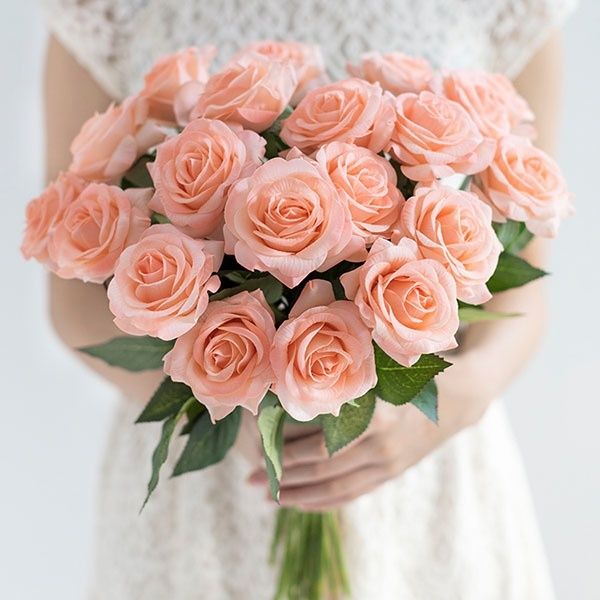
x=491, y=355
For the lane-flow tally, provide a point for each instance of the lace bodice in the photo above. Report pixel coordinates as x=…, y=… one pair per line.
x=117, y=40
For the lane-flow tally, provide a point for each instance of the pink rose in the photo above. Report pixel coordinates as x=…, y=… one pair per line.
x=253, y=93
x=287, y=219
x=161, y=284
x=110, y=142
x=225, y=357
x=455, y=229
x=490, y=99
x=367, y=183
x=322, y=356
x=351, y=111
x=524, y=184
x=306, y=60
x=45, y=212
x=434, y=137
x=396, y=72
x=169, y=74
x=194, y=170
x=95, y=229
x=409, y=302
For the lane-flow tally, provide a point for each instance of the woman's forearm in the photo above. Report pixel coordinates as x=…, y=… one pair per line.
x=79, y=311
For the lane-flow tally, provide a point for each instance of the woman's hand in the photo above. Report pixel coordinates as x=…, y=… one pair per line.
x=397, y=438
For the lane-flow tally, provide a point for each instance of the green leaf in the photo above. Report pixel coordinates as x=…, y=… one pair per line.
x=275, y=145
x=158, y=219
x=166, y=401
x=276, y=127
x=475, y=314
x=427, y=401
x=141, y=353
x=271, y=288
x=353, y=421
x=161, y=452
x=138, y=175
x=208, y=443
x=192, y=414
x=271, y=419
x=236, y=276
x=511, y=272
x=398, y=384
x=513, y=235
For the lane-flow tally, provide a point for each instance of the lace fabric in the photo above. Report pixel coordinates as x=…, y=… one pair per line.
x=118, y=40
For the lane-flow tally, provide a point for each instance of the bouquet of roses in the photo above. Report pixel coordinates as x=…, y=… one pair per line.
x=297, y=247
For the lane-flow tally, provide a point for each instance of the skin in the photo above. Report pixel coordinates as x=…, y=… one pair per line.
x=398, y=438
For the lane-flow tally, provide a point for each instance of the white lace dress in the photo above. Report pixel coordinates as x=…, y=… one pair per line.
x=459, y=525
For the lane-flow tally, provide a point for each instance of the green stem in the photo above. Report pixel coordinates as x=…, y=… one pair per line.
x=312, y=563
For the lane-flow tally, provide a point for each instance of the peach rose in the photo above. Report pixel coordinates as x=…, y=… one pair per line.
x=524, y=184
x=306, y=59
x=396, y=72
x=169, y=74
x=367, y=183
x=490, y=99
x=434, y=137
x=253, y=93
x=96, y=228
x=287, y=219
x=409, y=302
x=322, y=356
x=352, y=110
x=194, y=170
x=45, y=212
x=454, y=228
x=110, y=142
x=161, y=284
x=225, y=357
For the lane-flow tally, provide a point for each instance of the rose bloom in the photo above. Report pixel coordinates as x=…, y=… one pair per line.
x=454, y=228
x=95, y=229
x=322, y=356
x=409, y=302
x=161, y=284
x=45, y=212
x=434, y=137
x=352, y=110
x=287, y=219
x=490, y=99
x=396, y=72
x=225, y=357
x=110, y=142
x=194, y=170
x=367, y=183
x=169, y=74
x=306, y=60
x=524, y=184
x=253, y=93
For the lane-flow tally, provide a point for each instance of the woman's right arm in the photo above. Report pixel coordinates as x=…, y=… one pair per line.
x=79, y=311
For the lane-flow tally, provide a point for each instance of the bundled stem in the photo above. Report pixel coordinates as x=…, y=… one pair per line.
x=312, y=561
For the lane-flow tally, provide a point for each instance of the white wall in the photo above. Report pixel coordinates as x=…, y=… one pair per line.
x=54, y=415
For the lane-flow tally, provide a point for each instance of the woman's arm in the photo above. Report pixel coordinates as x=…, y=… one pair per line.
x=79, y=311
x=491, y=355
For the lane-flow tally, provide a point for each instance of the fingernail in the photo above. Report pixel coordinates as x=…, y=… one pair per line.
x=257, y=478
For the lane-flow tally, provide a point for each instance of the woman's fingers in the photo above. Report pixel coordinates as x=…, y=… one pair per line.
x=335, y=491
x=304, y=450
x=351, y=458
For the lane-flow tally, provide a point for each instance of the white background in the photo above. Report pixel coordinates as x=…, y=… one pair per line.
x=54, y=416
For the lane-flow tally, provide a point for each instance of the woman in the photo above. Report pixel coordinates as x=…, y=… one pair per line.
x=429, y=512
